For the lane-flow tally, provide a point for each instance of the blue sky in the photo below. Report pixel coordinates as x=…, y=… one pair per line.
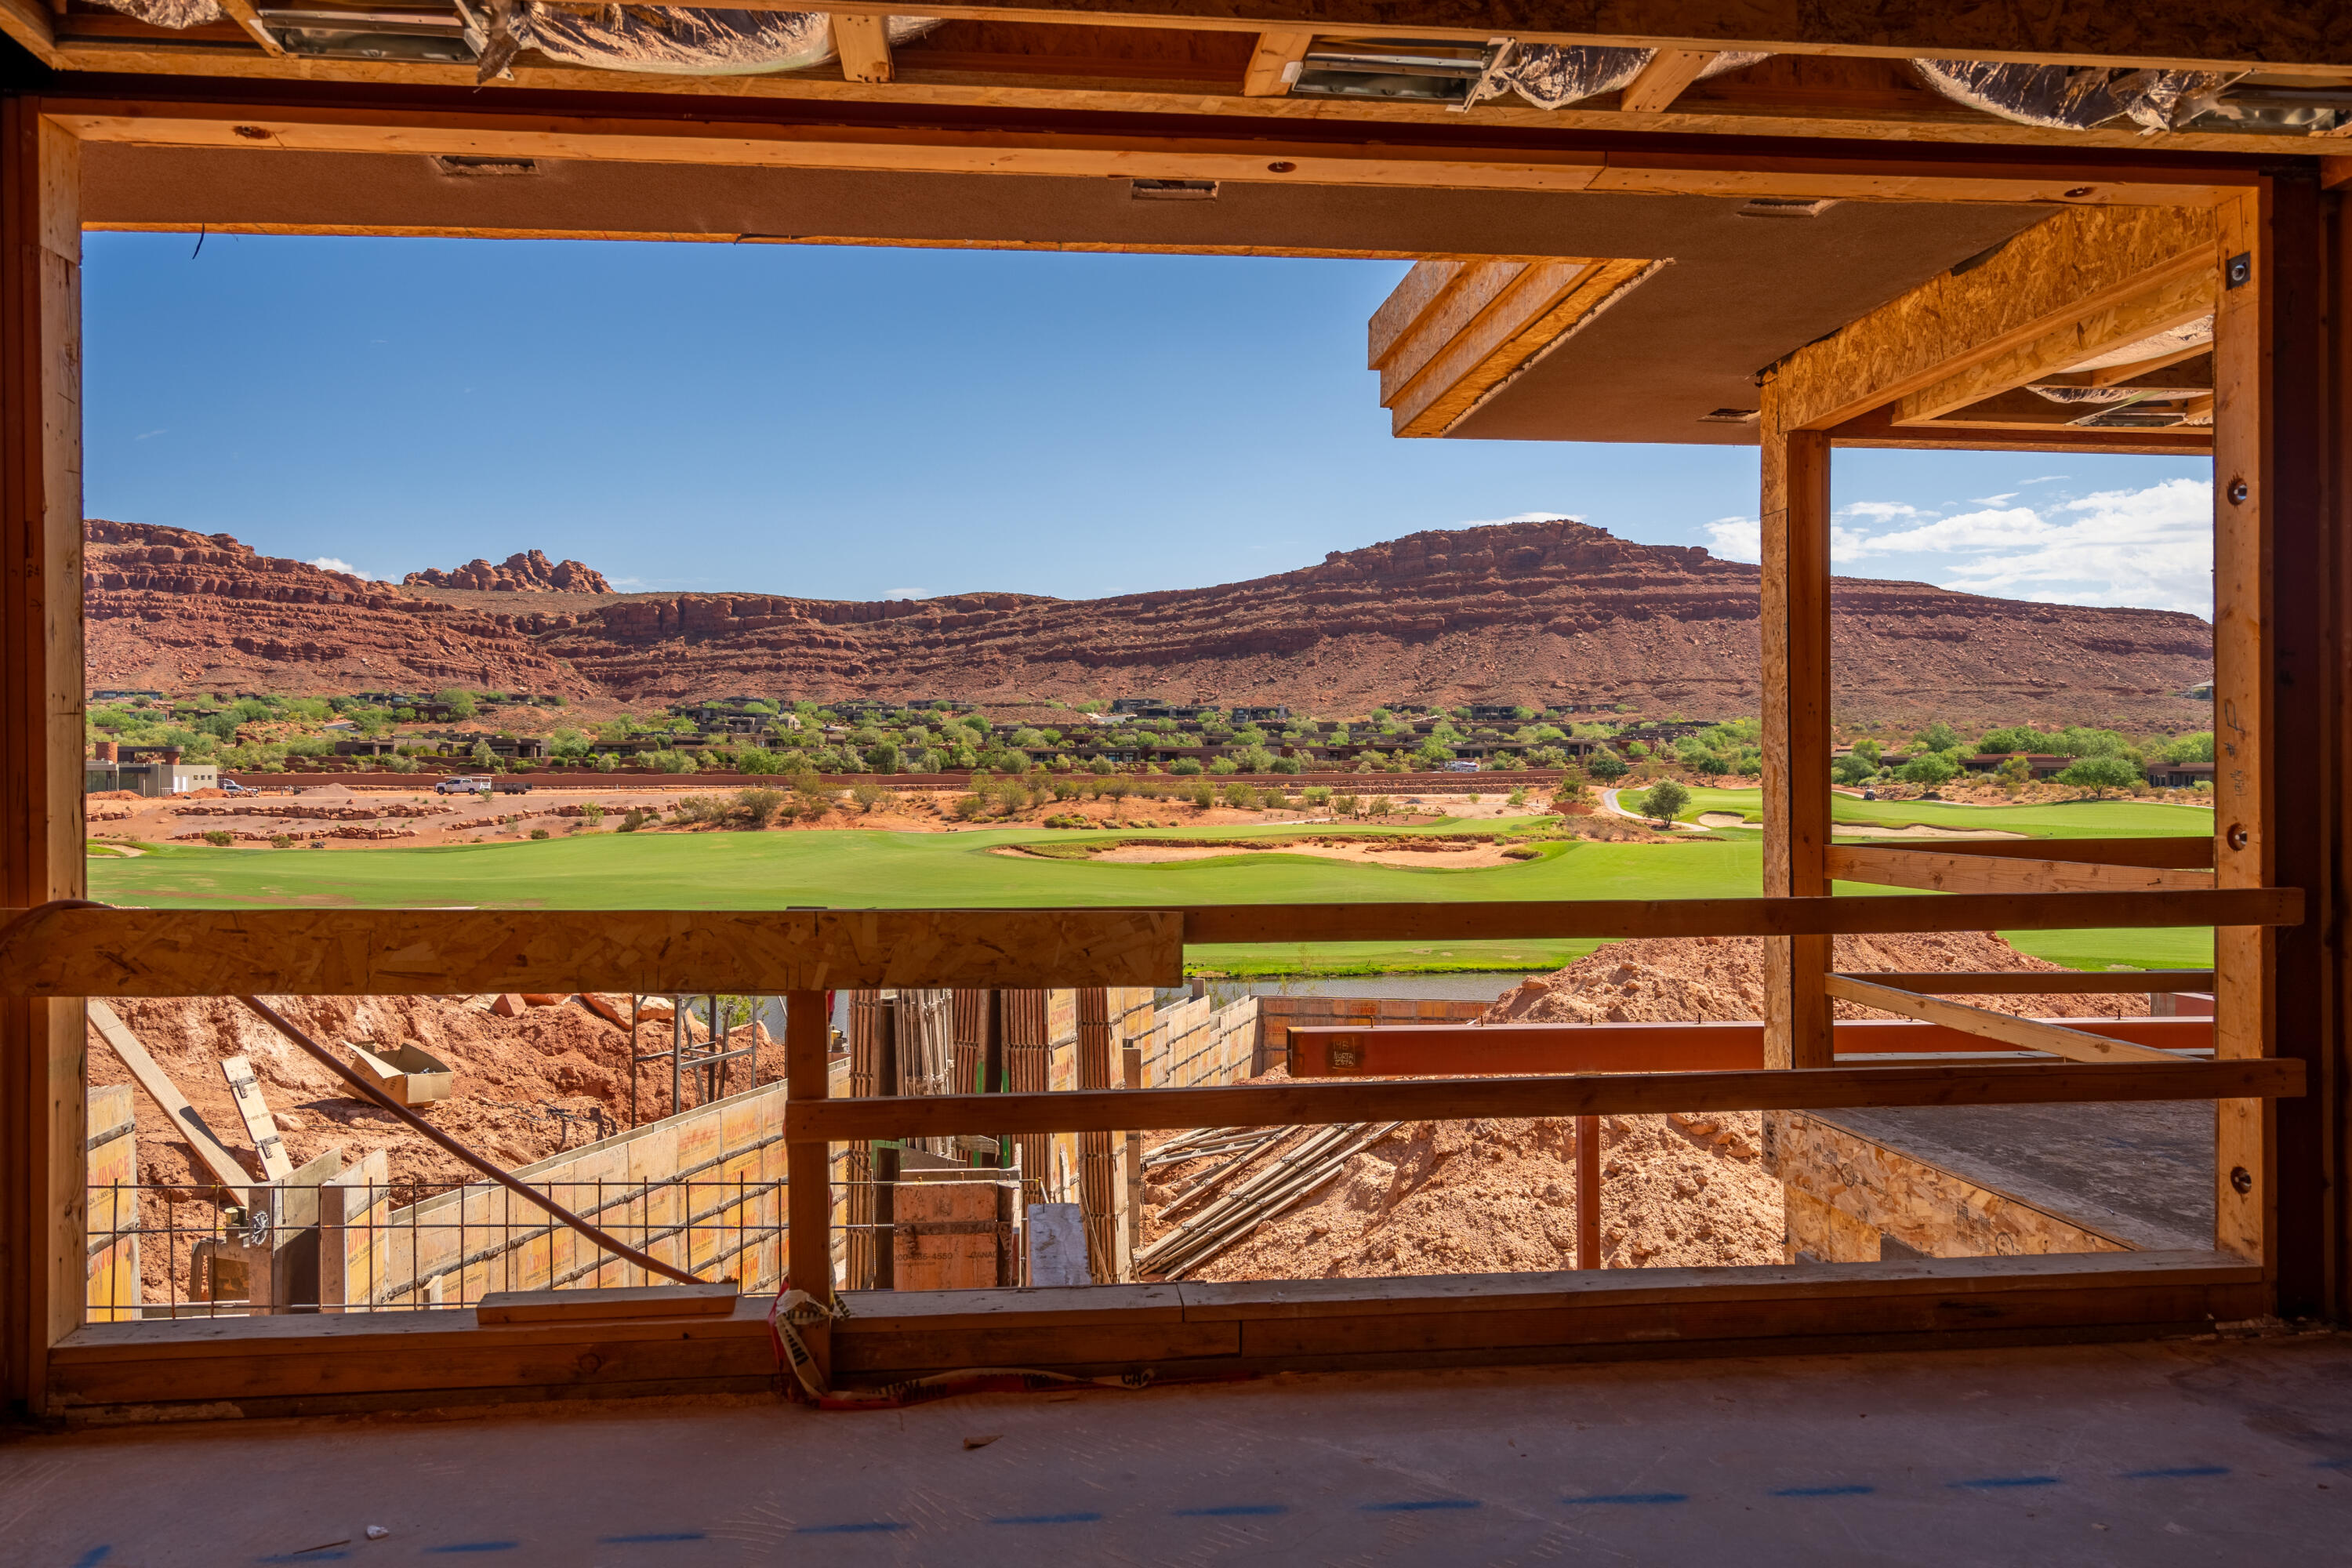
x=850, y=424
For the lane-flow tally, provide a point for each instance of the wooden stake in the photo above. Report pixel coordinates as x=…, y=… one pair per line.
x=1588, y=1192
x=259, y=1125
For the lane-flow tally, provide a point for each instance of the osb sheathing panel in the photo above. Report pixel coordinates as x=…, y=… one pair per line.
x=2079, y=261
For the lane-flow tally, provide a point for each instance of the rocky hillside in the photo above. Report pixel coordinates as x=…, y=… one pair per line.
x=1535, y=612
x=529, y=572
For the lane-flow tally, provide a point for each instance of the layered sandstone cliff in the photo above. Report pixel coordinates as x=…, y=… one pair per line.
x=1534, y=612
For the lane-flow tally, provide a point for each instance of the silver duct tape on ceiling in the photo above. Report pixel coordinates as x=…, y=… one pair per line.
x=172, y=14
x=1553, y=75
x=2072, y=98
x=669, y=40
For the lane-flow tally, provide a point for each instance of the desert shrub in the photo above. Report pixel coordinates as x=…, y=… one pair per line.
x=218, y=837
x=1316, y=795
x=1118, y=787
x=967, y=806
x=1517, y=797
x=699, y=811
x=1185, y=766
x=1065, y=789
x=539, y=832
x=756, y=807
x=868, y=795
x=637, y=818
x=1241, y=797
x=1204, y=795
x=1379, y=805
x=1223, y=765
x=1344, y=804
x=1273, y=799
x=282, y=841
x=592, y=813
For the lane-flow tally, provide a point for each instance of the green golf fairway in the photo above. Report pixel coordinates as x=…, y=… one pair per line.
x=2074, y=820
x=852, y=868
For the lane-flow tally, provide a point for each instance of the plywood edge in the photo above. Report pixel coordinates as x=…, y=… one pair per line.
x=605, y=1305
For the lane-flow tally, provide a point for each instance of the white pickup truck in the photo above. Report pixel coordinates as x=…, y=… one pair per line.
x=463, y=783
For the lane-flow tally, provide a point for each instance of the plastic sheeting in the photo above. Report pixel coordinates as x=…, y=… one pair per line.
x=669, y=40
x=1552, y=76
x=2194, y=335
x=172, y=14
x=2070, y=98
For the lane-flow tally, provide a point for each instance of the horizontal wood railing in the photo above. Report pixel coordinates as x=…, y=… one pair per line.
x=2184, y=852
x=1615, y=1094
x=1460, y=1050
x=98, y=952
x=1937, y=870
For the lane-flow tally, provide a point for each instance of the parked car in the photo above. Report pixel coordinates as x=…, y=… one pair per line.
x=230, y=786
x=1458, y=765
x=462, y=785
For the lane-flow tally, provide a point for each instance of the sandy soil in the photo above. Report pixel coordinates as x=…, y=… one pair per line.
x=1152, y=854
x=511, y=1072
x=1857, y=830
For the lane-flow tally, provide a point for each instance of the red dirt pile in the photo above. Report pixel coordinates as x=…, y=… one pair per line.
x=1681, y=1190
x=1533, y=612
x=510, y=1072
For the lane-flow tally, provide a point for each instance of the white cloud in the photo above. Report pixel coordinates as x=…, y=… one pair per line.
x=906, y=593
x=1557, y=516
x=2151, y=547
x=2044, y=479
x=1879, y=508
x=1993, y=500
x=328, y=563
x=1736, y=538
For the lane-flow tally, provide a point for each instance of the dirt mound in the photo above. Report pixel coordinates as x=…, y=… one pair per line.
x=528, y=572
x=511, y=1075
x=1498, y=1196
x=1534, y=612
x=1720, y=979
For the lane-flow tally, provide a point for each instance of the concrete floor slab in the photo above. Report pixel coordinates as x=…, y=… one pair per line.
x=2199, y=1452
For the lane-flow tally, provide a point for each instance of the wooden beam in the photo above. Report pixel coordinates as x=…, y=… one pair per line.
x=1548, y=304
x=2175, y=301
x=2077, y=264
x=2244, y=692
x=2024, y=409
x=1888, y=866
x=42, y=1199
x=361, y=953
x=1047, y=137
x=1877, y=428
x=2043, y=982
x=1796, y=785
x=32, y=27
x=1593, y=1094
x=2023, y=1034
x=863, y=42
x=242, y=12
x=226, y=1169
x=1421, y=291
x=1273, y=64
x=2187, y=370
x=2175, y=851
x=607, y=1304
x=407, y=952
x=808, y=1171
x=1662, y=80
x=1458, y=1050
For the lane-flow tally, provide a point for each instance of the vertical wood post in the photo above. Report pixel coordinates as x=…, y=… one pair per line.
x=42, y=1203
x=1796, y=803
x=808, y=1174
x=1588, y=1192
x=2261, y=649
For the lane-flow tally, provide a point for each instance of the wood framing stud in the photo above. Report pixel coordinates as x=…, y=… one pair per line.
x=2024, y=1033
x=1273, y=63
x=1796, y=795
x=1662, y=80
x=864, y=45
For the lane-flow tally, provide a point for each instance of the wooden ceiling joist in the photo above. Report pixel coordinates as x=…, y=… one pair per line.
x=1474, y=325
x=2178, y=302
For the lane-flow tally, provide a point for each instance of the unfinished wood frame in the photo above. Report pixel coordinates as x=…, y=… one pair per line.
x=291, y=1364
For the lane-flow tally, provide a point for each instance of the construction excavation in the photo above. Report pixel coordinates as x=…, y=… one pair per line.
x=1714, y=1102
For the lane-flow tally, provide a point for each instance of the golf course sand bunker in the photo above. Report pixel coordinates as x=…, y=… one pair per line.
x=1386, y=855
x=1869, y=830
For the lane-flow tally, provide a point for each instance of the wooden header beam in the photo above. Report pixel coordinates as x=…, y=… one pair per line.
x=1905, y=868
x=1592, y=1094
x=361, y=953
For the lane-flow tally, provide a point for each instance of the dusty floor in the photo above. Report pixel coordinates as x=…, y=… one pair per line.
x=2183, y=1452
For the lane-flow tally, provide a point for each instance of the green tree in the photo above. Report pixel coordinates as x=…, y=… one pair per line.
x=2193, y=748
x=2101, y=774
x=1664, y=799
x=1606, y=766
x=1853, y=768
x=1928, y=768
x=1939, y=737
x=460, y=701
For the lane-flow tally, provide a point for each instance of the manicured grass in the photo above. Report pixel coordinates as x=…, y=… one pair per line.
x=2080, y=819
x=868, y=869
